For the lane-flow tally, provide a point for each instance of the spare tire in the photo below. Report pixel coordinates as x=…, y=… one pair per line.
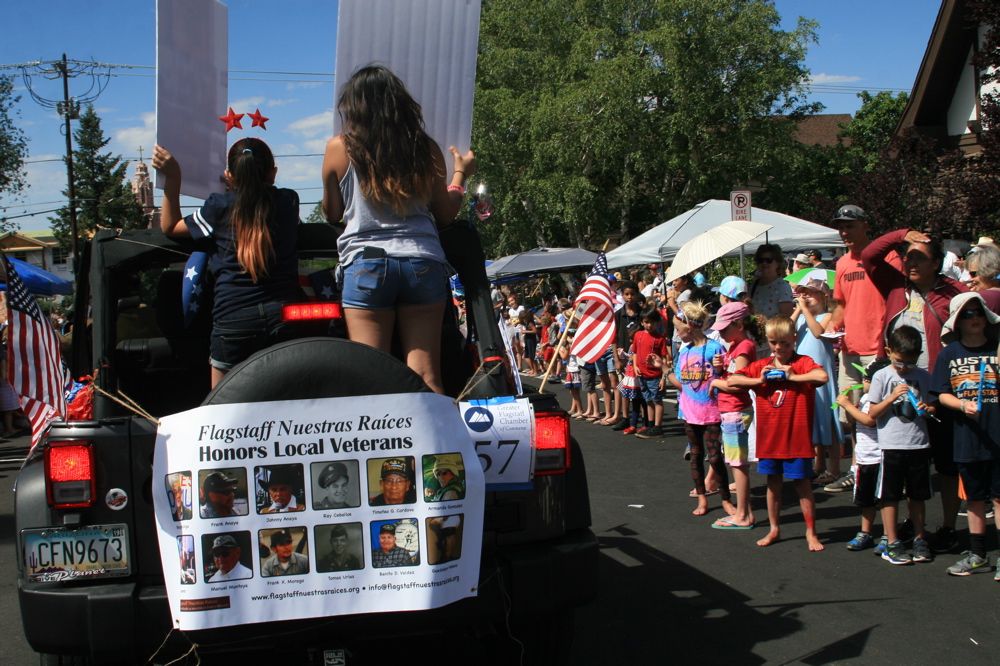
x=315, y=368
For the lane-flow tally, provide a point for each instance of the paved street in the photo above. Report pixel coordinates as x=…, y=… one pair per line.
x=674, y=589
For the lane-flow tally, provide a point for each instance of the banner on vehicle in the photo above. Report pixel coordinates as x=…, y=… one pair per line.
x=313, y=508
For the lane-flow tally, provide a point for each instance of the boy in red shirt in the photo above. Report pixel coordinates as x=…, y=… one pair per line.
x=651, y=352
x=785, y=386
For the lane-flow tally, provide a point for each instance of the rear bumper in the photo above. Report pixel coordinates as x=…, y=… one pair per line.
x=124, y=622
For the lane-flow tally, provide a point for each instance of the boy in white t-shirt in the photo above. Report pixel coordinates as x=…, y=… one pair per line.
x=867, y=459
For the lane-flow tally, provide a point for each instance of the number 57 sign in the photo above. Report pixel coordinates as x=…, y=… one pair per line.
x=503, y=430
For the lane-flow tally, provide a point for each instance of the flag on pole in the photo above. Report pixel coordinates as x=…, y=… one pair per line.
x=597, y=314
x=34, y=366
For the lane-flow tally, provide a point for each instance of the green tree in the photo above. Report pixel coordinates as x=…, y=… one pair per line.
x=873, y=126
x=13, y=145
x=610, y=116
x=316, y=216
x=103, y=195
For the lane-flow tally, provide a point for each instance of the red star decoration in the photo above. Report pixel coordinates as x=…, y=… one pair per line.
x=232, y=120
x=258, y=119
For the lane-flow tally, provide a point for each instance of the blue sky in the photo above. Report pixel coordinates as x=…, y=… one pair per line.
x=281, y=60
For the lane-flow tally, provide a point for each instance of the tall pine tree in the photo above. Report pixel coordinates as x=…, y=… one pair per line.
x=104, y=197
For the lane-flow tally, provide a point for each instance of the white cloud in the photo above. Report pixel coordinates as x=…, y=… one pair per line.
x=247, y=104
x=316, y=146
x=821, y=79
x=281, y=102
x=298, y=172
x=127, y=141
x=306, y=84
x=311, y=126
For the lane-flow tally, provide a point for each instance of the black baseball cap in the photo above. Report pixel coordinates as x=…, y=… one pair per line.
x=850, y=212
x=280, y=537
x=217, y=481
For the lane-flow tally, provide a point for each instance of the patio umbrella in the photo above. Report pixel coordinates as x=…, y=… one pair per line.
x=713, y=244
x=803, y=277
x=540, y=260
x=38, y=281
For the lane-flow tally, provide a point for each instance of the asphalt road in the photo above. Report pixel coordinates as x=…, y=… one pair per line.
x=672, y=588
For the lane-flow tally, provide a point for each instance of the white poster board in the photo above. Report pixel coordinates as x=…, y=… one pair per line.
x=339, y=505
x=430, y=44
x=192, y=87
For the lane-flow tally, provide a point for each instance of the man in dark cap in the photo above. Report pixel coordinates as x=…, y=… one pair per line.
x=859, y=312
x=226, y=557
x=279, y=487
x=396, y=484
x=816, y=259
x=338, y=559
x=389, y=554
x=284, y=561
x=218, y=495
x=333, y=482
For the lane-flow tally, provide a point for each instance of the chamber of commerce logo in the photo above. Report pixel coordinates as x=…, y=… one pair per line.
x=478, y=419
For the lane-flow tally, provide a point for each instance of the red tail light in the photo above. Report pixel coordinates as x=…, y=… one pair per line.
x=70, y=474
x=306, y=311
x=551, y=442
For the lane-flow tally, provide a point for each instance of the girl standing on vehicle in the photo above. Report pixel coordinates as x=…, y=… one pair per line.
x=255, y=227
x=385, y=177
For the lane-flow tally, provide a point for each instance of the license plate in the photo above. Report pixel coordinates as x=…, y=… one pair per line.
x=60, y=553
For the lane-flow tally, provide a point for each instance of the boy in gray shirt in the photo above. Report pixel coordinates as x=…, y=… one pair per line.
x=899, y=395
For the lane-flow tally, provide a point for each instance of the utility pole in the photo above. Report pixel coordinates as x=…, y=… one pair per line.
x=70, y=109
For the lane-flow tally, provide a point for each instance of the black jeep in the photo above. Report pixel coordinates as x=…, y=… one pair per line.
x=539, y=557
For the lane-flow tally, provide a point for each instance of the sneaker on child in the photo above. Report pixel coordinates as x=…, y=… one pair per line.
x=883, y=543
x=652, y=432
x=944, y=540
x=861, y=541
x=921, y=551
x=895, y=553
x=969, y=564
x=844, y=482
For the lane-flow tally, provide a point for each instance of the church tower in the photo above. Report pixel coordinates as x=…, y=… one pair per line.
x=142, y=188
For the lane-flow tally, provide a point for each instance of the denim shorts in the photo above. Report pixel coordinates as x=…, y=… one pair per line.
x=605, y=365
x=384, y=283
x=241, y=333
x=651, y=391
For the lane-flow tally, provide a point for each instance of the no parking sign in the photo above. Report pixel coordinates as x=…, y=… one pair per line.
x=739, y=203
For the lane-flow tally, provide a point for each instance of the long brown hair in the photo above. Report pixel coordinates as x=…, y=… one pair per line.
x=251, y=162
x=385, y=139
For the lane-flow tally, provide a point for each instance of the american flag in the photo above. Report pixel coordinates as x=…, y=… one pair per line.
x=596, y=329
x=34, y=368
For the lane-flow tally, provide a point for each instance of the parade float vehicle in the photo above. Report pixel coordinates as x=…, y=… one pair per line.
x=539, y=556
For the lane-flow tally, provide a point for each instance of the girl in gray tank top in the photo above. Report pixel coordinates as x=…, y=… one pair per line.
x=387, y=180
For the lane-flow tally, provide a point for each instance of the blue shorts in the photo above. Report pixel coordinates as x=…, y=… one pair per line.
x=241, y=333
x=384, y=283
x=651, y=391
x=790, y=468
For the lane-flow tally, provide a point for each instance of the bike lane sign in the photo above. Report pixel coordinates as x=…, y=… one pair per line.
x=503, y=431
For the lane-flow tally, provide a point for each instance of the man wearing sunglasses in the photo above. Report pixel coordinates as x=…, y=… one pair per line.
x=218, y=496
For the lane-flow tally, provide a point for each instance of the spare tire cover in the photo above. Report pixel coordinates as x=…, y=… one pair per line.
x=315, y=368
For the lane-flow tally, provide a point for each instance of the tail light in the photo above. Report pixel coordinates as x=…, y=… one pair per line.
x=551, y=442
x=311, y=311
x=70, y=474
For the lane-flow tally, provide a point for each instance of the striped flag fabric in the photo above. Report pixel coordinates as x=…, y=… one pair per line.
x=34, y=366
x=595, y=306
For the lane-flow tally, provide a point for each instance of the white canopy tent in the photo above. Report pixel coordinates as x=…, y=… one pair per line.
x=662, y=243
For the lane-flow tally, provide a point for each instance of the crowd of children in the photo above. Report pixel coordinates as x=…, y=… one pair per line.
x=726, y=395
